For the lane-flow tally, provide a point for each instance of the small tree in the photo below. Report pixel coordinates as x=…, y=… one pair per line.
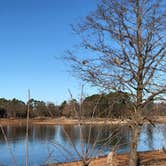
x=124, y=43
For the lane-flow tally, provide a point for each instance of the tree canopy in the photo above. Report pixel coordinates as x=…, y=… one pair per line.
x=124, y=49
x=125, y=45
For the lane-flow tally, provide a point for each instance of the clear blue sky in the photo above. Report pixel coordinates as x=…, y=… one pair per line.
x=32, y=34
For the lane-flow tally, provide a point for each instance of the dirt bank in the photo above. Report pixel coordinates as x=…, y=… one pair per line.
x=151, y=158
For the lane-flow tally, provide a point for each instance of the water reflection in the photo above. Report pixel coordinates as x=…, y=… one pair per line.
x=149, y=131
x=54, y=143
x=42, y=133
x=92, y=140
x=95, y=132
x=13, y=133
x=152, y=138
x=37, y=133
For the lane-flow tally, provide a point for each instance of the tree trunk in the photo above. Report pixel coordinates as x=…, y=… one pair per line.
x=85, y=163
x=133, y=146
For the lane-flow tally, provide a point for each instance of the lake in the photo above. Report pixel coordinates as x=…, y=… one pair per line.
x=55, y=143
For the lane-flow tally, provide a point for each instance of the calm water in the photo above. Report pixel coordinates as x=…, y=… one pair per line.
x=62, y=143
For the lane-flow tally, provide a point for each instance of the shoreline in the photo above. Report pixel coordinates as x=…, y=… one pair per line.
x=148, y=158
x=68, y=121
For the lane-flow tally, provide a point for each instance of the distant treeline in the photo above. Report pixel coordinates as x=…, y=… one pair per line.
x=114, y=105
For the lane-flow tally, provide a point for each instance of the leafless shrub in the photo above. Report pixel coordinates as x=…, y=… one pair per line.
x=88, y=145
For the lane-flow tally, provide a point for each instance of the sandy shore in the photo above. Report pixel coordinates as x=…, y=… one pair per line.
x=151, y=158
x=66, y=121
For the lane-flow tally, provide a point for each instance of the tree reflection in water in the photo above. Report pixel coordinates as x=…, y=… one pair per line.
x=149, y=132
x=55, y=143
x=37, y=133
x=90, y=140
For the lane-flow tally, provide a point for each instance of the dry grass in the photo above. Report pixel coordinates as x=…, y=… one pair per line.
x=150, y=158
x=58, y=121
x=67, y=121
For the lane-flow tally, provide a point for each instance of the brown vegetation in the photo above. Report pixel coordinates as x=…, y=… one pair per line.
x=70, y=121
x=150, y=158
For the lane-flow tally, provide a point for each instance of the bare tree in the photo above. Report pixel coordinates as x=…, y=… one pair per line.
x=92, y=140
x=124, y=46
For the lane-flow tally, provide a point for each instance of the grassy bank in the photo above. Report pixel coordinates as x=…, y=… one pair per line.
x=67, y=121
